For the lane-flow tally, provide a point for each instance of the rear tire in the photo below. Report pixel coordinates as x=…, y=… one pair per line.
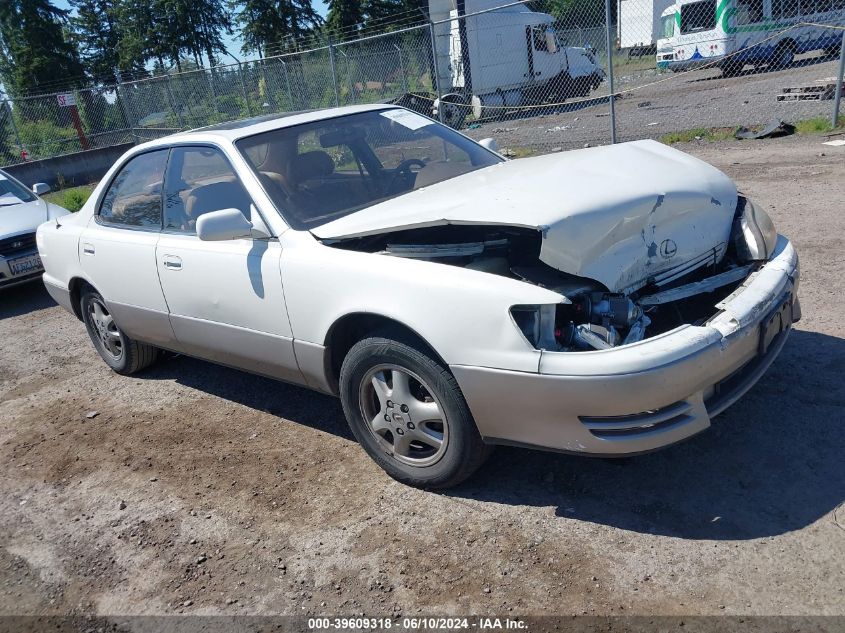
x=407, y=411
x=123, y=354
x=454, y=111
x=783, y=58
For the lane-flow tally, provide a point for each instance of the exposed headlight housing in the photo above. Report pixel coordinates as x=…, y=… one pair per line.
x=754, y=233
x=537, y=324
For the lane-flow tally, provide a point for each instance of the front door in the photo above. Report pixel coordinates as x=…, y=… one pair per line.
x=118, y=249
x=225, y=298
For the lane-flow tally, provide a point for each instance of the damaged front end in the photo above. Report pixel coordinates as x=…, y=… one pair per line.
x=591, y=316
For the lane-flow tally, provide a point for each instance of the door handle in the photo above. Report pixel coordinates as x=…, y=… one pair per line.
x=171, y=262
x=87, y=248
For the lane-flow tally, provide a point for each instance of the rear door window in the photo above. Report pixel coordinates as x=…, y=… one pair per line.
x=133, y=198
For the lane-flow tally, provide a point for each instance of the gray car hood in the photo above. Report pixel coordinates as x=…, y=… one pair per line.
x=23, y=217
x=622, y=215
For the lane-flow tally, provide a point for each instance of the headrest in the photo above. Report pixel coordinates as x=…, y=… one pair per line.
x=311, y=165
x=217, y=196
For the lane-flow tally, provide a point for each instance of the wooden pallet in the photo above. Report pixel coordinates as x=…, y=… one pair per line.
x=818, y=92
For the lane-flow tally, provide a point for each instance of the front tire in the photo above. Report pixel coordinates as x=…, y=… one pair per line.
x=123, y=354
x=407, y=411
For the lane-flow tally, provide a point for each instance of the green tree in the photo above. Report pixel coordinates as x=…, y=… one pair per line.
x=98, y=39
x=35, y=48
x=345, y=18
x=203, y=26
x=270, y=26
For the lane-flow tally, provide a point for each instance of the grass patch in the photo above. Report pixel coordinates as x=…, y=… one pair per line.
x=699, y=134
x=818, y=125
x=517, y=151
x=72, y=198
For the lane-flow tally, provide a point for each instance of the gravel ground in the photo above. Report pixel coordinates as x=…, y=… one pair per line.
x=655, y=104
x=197, y=489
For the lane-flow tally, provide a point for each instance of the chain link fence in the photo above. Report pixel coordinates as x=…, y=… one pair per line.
x=536, y=82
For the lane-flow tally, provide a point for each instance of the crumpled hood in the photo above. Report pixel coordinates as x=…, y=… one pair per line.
x=620, y=214
x=22, y=218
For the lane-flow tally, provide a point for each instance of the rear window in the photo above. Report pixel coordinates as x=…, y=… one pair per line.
x=698, y=16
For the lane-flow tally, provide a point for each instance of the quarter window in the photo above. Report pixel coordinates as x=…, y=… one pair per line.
x=200, y=180
x=134, y=196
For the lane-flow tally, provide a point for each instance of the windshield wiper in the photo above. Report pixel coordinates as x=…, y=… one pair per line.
x=10, y=204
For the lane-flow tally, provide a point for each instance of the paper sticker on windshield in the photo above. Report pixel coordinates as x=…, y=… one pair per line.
x=406, y=118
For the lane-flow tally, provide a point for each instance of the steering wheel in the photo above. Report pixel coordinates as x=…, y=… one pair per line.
x=404, y=169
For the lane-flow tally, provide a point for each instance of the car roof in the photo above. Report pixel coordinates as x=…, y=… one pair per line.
x=235, y=130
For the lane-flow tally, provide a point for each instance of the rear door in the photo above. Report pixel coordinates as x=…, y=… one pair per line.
x=117, y=249
x=225, y=298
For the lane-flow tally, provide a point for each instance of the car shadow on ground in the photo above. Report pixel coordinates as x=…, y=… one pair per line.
x=24, y=299
x=293, y=403
x=771, y=464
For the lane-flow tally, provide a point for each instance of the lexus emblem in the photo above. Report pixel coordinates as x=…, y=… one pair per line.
x=17, y=244
x=668, y=248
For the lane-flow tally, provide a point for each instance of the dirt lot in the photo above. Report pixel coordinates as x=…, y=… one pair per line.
x=199, y=489
x=655, y=104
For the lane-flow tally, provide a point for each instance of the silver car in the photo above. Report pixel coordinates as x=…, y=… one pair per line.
x=21, y=211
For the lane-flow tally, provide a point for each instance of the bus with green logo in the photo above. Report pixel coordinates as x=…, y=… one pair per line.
x=732, y=34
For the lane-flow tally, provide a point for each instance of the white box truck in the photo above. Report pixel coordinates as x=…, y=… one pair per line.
x=491, y=58
x=638, y=25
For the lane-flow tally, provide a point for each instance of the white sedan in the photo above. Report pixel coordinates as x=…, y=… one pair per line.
x=21, y=211
x=606, y=301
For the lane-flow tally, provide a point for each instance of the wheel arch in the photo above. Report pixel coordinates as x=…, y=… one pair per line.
x=76, y=286
x=789, y=43
x=353, y=327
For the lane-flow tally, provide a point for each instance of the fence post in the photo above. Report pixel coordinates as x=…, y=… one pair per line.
x=211, y=79
x=348, y=76
x=124, y=105
x=334, y=74
x=437, y=88
x=611, y=97
x=402, y=66
x=291, y=104
x=14, y=127
x=178, y=113
x=243, y=89
x=839, y=80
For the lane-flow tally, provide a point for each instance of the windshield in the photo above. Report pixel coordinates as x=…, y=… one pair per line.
x=12, y=192
x=667, y=26
x=321, y=171
x=698, y=16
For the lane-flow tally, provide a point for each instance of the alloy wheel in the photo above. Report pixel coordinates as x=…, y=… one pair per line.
x=105, y=328
x=404, y=415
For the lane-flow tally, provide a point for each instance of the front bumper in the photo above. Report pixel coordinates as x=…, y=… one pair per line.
x=647, y=395
x=693, y=63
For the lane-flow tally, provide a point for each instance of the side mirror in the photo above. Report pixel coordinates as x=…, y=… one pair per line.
x=40, y=188
x=489, y=143
x=227, y=224
x=551, y=41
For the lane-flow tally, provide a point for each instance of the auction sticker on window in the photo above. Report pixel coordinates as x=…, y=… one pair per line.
x=406, y=118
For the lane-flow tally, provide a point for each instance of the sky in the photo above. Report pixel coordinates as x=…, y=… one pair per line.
x=232, y=42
